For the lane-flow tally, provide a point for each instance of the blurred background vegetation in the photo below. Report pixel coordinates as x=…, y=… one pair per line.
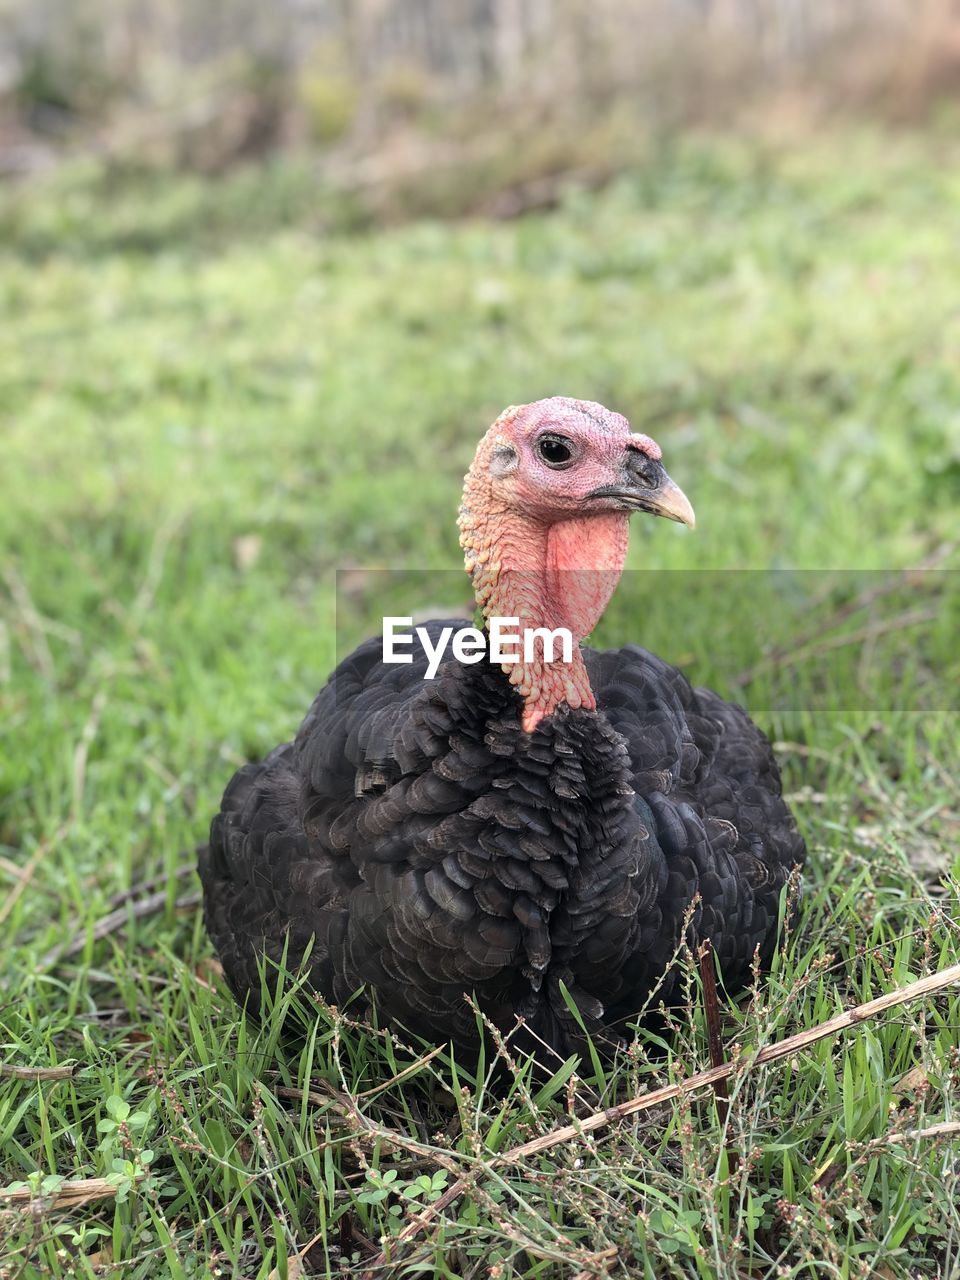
x=266, y=273
x=449, y=106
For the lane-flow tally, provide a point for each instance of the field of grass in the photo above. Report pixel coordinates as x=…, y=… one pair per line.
x=210, y=400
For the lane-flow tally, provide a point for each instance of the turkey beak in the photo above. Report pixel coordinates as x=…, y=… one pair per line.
x=669, y=500
x=643, y=485
x=647, y=487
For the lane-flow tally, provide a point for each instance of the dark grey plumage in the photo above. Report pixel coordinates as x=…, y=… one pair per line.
x=422, y=846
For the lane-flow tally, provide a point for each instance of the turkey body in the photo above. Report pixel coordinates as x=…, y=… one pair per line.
x=420, y=847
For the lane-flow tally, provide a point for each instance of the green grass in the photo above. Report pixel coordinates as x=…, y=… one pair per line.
x=207, y=407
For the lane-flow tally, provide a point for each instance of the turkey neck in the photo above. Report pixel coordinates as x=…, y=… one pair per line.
x=556, y=574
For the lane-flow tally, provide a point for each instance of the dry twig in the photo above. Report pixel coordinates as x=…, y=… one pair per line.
x=65, y=1072
x=69, y=1195
x=790, y=658
x=945, y=1129
x=26, y=874
x=148, y=886
x=40, y=657
x=811, y=641
x=116, y=920
x=711, y=1009
x=704, y=1079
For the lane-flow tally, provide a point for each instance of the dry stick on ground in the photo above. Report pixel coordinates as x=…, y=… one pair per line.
x=600, y=1119
x=806, y=641
x=899, y=622
x=945, y=1129
x=33, y=1074
x=116, y=920
x=711, y=1009
x=145, y=886
x=69, y=1195
x=26, y=874
x=39, y=657
x=605, y=1260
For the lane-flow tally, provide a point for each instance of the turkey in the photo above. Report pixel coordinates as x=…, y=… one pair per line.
x=524, y=835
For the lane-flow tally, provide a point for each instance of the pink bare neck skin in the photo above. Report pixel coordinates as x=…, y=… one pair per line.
x=556, y=574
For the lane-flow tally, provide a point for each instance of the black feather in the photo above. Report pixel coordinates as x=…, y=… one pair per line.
x=417, y=842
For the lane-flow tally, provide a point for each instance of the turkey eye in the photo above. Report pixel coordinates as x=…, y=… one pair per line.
x=555, y=451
